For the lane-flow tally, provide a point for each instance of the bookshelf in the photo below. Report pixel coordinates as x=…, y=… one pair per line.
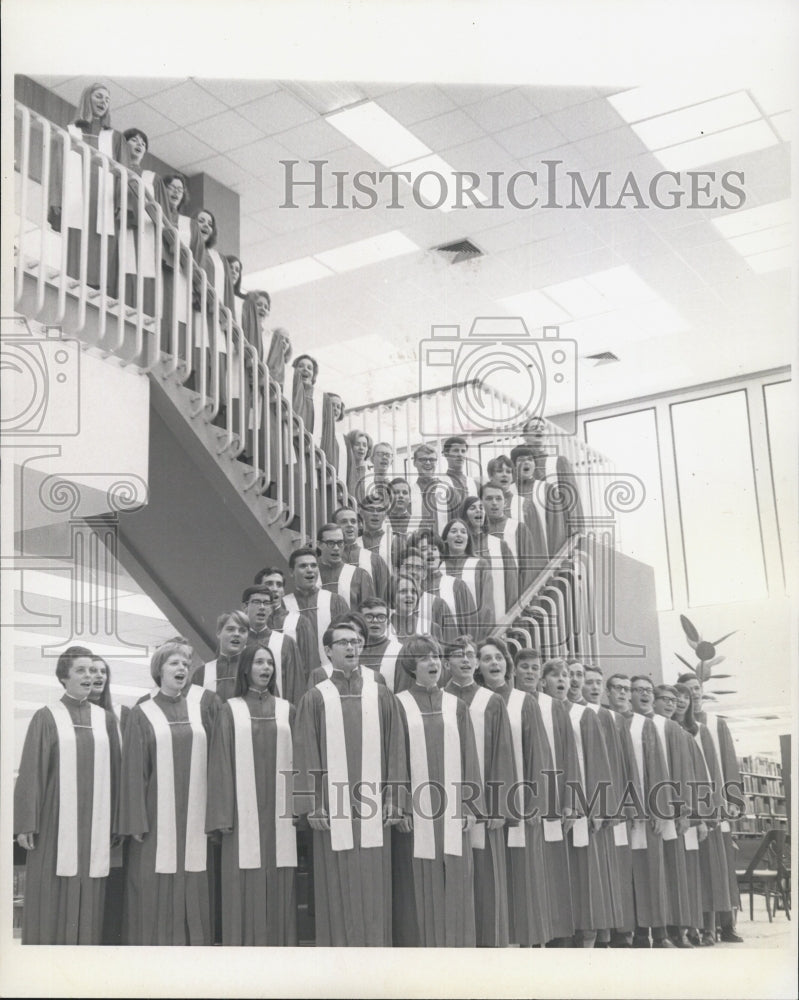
x=764, y=793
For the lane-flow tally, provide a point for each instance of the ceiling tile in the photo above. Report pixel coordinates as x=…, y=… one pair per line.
x=464, y=94
x=416, y=103
x=180, y=149
x=450, y=129
x=146, y=86
x=221, y=169
x=71, y=90
x=611, y=147
x=313, y=140
x=141, y=115
x=257, y=196
x=374, y=90
x=186, y=103
x=262, y=159
x=480, y=156
x=549, y=99
x=225, y=131
x=277, y=112
x=502, y=110
x=237, y=92
x=537, y=136
x=586, y=119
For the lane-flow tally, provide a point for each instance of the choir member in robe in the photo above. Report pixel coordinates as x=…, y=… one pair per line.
x=432, y=848
x=219, y=675
x=708, y=805
x=250, y=803
x=405, y=619
x=529, y=500
x=382, y=459
x=732, y=796
x=495, y=756
x=360, y=449
x=92, y=126
x=576, y=679
x=65, y=800
x=617, y=687
x=350, y=757
x=379, y=537
x=166, y=745
x=430, y=497
x=500, y=472
x=495, y=551
x=356, y=554
x=430, y=608
x=399, y=511
x=613, y=837
x=564, y=505
x=351, y=583
x=649, y=872
x=515, y=534
x=182, y=245
x=293, y=624
x=684, y=912
x=236, y=272
x=358, y=622
x=306, y=372
x=382, y=648
x=475, y=571
x=462, y=476
x=528, y=897
x=115, y=884
x=291, y=676
x=587, y=853
x=461, y=611
x=316, y=605
x=527, y=671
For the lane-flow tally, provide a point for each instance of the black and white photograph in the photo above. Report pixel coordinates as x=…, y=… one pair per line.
x=399, y=490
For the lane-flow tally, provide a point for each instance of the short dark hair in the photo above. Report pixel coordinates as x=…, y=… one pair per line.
x=251, y=591
x=500, y=645
x=526, y=653
x=554, y=666
x=488, y=486
x=684, y=678
x=498, y=462
x=453, y=441
x=521, y=451
x=665, y=689
x=417, y=648
x=594, y=668
x=609, y=683
x=399, y=479
x=337, y=623
x=269, y=571
x=354, y=619
x=298, y=553
x=129, y=133
x=642, y=677
x=329, y=526
x=314, y=364
x=459, y=643
x=67, y=658
x=373, y=602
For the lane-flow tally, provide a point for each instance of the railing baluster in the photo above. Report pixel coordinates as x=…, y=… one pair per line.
x=23, y=202
x=40, y=283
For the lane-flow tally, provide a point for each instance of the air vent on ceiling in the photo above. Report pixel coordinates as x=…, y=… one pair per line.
x=459, y=250
x=602, y=358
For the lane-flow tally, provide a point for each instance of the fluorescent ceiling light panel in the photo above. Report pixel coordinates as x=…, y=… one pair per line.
x=368, y=251
x=701, y=119
x=378, y=133
x=772, y=260
x=717, y=147
x=750, y=220
x=288, y=275
x=785, y=124
x=578, y=297
x=432, y=188
x=776, y=94
x=762, y=240
x=535, y=309
x=621, y=286
x=645, y=102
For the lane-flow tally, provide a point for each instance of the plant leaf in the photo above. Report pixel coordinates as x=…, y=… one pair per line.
x=689, y=629
x=683, y=660
x=724, y=637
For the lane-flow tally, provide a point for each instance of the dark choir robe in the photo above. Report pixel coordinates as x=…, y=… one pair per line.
x=258, y=904
x=374, y=565
x=303, y=634
x=140, y=251
x=712, y=852
x=671, y=802
x=307, y=603
x=460, y=617
x=503, y=567
x=434, y=897
x=563, y=764
x=386, y=543
x=66, y=216
x=360, y=587
x=181, y=246
x=62, y=909
x=401, y=524
x=475, y=572
x=590, y=865
x=564, y=510
x=617, y=881
x=528, y=893
x=404, y=626
x=292, y=671
x=321, y=673
x=162, y=908
x=381, y=656
x=689, y=836
x=459, y=486
x=490, y=868
x=649, y=873
x=225, y=683
x=352, y=887
x=429, y=503
x=629, y=778
x=523, y=506
x=517, y=537
x=731, y=776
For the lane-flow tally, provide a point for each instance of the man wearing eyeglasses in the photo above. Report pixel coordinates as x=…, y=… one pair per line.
x=293, y=624
x=382, y=648
x=350, y=582
x=289, y=673
x=685, y=908
x=350, y=755
x=357, y=553
x=618, y=692
x=649, y=874
x=428, y=494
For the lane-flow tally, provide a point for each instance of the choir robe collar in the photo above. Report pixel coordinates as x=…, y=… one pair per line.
x=348, y=684
x=503, y=690
x=428, y=699
x=222, y=661
x=306, y=598
x=76, y=702
x=262, y=636
x=259, y=698
x=170, y=699
x=464, y=692
x=370, y=541
x=497, y=527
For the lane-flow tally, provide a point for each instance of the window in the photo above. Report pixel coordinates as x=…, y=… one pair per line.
x=780, y=424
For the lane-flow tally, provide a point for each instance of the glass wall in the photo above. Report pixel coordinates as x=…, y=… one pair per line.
x=780, y=424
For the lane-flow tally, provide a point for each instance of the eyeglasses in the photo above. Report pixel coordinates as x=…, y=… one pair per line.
x=347, y=643
x=666, y=699
x=333, y=542
x=259, y=604
x=623, y=688
x=380, y=619
x=639, y=690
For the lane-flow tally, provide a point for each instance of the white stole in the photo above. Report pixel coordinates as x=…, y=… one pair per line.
x=510, y=537
x=469, y=577
x=290, y=623
x=249, y=835
x=669, y=827
x=322, y=616
x=619, y=829
x=72, y=209
x=538, y=498
x=446, y=591
x=166, y=861
x=209, y=676
x=145, y=260
x=424, y=841
x=318, y=415
x=497, y=562
x=515, y=705
x=553, y=829
x=343, y=463
x=388, y=662
x=275, y=644
x=580, y=828
x=477, y=711
x=345, y=582
x=713, y=723
x=341, y=835
x=639, y=839
x=100, y=843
